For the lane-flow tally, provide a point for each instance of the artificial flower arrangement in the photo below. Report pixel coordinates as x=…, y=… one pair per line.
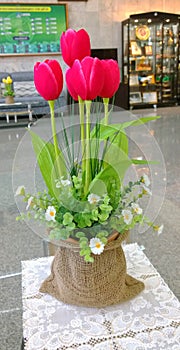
x=85, y=199
x=8, y=86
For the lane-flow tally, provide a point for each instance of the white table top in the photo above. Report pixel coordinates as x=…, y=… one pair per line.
x=150, y=321
x=10, y=104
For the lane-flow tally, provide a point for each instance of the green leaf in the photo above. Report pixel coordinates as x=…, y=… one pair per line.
x=105, y=131
x=103, y=183
x=104, y=240
x=143, y=161
x=139, y=121
x=110, y=178
x=79, y=234
x=83, y=244
x=120, y=141
x=89, y=258
x=67, y=219
x=117, y=156
x=46, y=159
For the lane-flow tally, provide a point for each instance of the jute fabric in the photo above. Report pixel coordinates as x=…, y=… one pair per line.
x=101, y=283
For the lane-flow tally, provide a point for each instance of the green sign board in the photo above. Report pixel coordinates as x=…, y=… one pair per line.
x=31, y=29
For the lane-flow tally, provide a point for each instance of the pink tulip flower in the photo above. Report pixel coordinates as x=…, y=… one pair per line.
x=85, y=79
x=48, y=79
x=74, y=45
x=111, y=78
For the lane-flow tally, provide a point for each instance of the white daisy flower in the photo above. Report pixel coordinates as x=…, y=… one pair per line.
x=50, y=213
x=146, y=190
x=29, y=202
x=136, y=208
x=58, y=184
x=62, y=182
x=127, y=215
x=160, y=229
x=65, y=182
x=96, y=246
x=20, y=191
x=145, y=180
x=93, y=198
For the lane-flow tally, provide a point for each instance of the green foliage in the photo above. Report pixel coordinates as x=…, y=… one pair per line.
x=99, y=174
x=68, y=221
x=46, y=158
x=58, y=233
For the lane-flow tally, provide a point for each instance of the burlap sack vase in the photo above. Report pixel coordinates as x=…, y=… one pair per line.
x=101, y=283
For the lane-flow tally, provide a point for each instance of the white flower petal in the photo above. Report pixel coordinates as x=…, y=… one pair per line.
x=96, y=246
x=127, y=215
x=136, y=208
x=160, y=229
x=29, y=202
x=146, y=180
x=93, y=198
x=50, y=213
x=65, y=182
x=20, y=191
x=146, y=190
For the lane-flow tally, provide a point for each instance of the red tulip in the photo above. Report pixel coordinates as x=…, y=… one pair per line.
x=75, y=45
x=85, y=78
x=48, y=79
x=111, y=78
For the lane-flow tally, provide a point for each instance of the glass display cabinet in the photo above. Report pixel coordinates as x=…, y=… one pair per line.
x=150, y=60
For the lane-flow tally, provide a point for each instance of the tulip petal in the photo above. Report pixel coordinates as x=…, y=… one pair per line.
x=48, y=79
x=66, y=41
x=81, y=45
x=69, y=36
x=56, y=69
x=85, y=78
x=74, y=45
x=70, y=85
x=93, y=72
x=111, y=78
x=76, y=82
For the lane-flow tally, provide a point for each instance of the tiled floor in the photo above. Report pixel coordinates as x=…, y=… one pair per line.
x=19, y=241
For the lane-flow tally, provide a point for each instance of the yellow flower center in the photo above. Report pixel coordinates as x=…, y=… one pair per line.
x=51, y=213
x=94, y=200
x=98, y=245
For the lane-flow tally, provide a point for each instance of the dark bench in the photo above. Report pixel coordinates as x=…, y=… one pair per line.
x=25, y=92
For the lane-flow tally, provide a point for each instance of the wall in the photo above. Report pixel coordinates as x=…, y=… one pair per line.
x=101, y=18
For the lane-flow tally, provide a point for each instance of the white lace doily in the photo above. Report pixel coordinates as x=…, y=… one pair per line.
x=150, y=321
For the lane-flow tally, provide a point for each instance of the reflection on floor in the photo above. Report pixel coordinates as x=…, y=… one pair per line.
x=19, y=242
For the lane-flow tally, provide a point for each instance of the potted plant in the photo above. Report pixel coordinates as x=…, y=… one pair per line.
x=8, y=90
x=87, y=208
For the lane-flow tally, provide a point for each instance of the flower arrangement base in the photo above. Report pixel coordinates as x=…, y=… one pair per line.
x=9, y=99
x=101, y=283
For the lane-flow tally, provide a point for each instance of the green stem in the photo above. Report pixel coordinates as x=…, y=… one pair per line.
x=106, y=112
x=82, y=130
x=106, y=121
x=88, y=168
x=54, y=134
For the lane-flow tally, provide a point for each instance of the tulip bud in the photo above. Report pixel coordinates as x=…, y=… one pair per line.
x=85, y=79
x=48, y=79
x=111, y=78
x=74, y=45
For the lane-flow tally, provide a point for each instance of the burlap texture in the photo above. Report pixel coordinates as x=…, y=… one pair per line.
x=101, y=283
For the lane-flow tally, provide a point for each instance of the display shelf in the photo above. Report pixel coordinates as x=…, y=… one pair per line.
x=150, y=60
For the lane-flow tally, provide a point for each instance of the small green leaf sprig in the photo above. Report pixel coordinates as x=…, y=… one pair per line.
x=89, y=221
